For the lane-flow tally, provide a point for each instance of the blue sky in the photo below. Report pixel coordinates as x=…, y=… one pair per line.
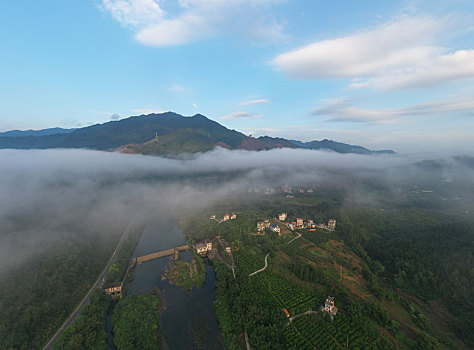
x=383, y=74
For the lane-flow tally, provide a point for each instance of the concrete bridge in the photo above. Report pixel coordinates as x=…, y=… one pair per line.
x=161, y=254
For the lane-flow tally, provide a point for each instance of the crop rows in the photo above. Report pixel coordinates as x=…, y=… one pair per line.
x=318, y=336
x=294, y=340
x=248, y=263
x=291, y=296
x=285, y=293
x=295, y=250
x=340, y=332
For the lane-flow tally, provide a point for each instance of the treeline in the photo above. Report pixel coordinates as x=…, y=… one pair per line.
x=119, y=267
x=309, y=273
x=89, y=330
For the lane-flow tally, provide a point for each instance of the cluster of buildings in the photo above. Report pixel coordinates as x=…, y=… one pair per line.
x=302, y=223
x=269, y=191
x=284, y=188
x=263, y=225
x=298, y=224
x=288, y=189
x=203, y=247
x=226, y=217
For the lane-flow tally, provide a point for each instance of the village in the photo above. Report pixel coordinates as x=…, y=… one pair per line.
x=297, y=224
x=280, y=225
x=283, y=189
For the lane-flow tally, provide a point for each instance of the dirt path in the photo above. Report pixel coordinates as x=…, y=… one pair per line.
x=299, y=235
x=262, y=269
x=246, y=340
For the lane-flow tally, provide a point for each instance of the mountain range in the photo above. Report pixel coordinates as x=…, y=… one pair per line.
x=165, y=134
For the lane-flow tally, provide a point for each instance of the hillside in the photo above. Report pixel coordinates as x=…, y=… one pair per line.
x=338, y=147
x=43, y=132
x=176, y=134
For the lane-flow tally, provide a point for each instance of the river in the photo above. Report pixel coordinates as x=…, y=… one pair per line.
x=188, y=320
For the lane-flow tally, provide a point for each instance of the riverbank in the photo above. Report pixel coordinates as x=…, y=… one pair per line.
x=186, y=274
x=188, y=320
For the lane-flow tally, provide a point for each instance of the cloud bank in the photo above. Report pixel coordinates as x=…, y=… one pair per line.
x=49, y=195
x=396, y=55
x=188, y=21
x=344, y=110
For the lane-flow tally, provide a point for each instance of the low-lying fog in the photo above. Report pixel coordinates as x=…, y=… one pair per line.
x=44, y=193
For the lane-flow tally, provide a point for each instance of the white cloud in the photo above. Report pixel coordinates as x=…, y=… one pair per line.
x=195, y=105
x=240, y=116
x=194, y=19
x=253, y=102
x=344, y=110
x=136, y=13
x=433, y=71
x=395, y=55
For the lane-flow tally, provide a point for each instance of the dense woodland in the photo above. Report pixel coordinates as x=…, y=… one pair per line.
x=136, y=322
x=37, y=297
x=430, y=256
x=89, y=330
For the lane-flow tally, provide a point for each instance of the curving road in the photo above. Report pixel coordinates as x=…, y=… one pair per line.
x=299, y=235
x=263, y=268
x=98, y=284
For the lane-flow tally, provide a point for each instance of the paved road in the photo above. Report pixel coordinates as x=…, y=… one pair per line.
x=98, y=284
x=263, y=268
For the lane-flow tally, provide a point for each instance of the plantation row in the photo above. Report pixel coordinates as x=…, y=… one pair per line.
x=317, y=335
x=287, y=294
x=296, y=250
x=340, y=332
x=295, y=341
x=291, y=296
x=248, y=262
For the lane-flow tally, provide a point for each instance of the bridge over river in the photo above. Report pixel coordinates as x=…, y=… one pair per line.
x=161, y=254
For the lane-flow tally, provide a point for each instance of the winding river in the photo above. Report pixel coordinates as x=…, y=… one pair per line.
x=188, y=320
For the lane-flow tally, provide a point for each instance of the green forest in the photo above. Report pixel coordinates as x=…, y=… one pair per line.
x=136, y=322
x=38, y=296
x=89, y=330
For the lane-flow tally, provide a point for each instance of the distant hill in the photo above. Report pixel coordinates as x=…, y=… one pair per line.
x=338, y=147
x=164, y=134
x=43, y=132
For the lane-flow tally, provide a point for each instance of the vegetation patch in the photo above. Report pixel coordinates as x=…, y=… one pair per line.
x=89, y=330
x=119, y=267
x=136, y=322
x=186, y=275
